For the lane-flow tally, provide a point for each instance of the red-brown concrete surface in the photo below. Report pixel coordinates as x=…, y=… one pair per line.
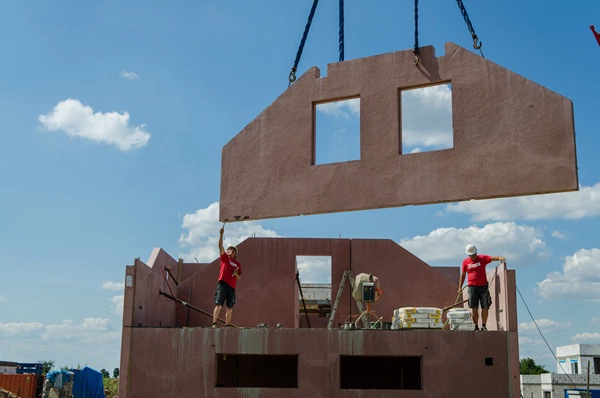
x=511, y=137
x=159, y=357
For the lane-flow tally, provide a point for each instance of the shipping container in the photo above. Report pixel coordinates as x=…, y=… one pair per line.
x=25, y=385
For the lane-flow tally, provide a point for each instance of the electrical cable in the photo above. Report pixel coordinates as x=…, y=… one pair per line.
x=543, y=338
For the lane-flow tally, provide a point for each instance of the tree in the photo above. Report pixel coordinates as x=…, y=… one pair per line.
x=527, y=366
x=105, y=373
x=46, y=366
x=116, y=373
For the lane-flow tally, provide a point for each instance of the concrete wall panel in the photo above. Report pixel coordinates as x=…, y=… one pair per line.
x=511, y=137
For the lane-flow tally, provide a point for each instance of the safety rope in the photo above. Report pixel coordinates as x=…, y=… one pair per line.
x=416, y=47
x=341, y=34
x=476, y=43
x=166, y=280
x=292, y=77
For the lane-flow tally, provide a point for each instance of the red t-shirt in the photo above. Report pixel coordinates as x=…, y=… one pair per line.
x=476, y=269
x=228, y=265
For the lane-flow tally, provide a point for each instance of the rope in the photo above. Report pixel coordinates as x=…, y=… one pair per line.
x=177, y=308
x=543, y=338
x=463, y=11
x=456, y=303
x=292, y=77
x=416, y=47
x=341, y=34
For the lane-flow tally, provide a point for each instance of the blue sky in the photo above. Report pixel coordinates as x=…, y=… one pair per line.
x=113, y=118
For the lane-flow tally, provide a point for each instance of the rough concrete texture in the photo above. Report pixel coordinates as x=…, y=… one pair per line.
x=511, y=137
x=184, y=350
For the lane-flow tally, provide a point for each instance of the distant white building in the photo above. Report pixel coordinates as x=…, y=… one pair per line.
x=8, y=367
x=576, y=358
x=571, y=374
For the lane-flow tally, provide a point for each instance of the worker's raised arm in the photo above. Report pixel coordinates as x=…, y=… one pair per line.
x=498, y=258
x=221, y=249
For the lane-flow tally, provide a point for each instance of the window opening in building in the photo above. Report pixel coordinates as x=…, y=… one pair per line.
x=489, y=361
x=574, y=367
x=337, y=131
x=597, y=365
x=426, y=122
x=380, y=373
x=315, y=279
x=257, y=371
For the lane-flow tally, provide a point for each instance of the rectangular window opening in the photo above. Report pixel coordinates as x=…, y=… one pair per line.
x=489, y=361
x=380, y=373
x=337, y=131
x=574, y=367
x=257, y=371
x=426, y=119
x=314, y=273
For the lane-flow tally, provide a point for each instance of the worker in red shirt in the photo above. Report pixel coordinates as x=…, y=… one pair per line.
x=474, y=265
x=231, y=271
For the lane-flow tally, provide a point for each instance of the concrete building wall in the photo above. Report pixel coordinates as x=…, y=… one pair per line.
x=161, y=331
x=556, y=384
x=187, y=359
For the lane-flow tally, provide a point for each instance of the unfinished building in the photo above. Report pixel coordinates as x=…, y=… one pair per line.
x=261, y=359
x=510, y=135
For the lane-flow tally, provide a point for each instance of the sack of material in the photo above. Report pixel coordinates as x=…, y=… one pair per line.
x=460, y=319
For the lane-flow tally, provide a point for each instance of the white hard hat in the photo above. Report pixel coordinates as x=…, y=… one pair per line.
x=232, y=247
x=471, y=249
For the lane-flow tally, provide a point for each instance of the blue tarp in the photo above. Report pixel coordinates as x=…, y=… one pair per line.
x=58, y=378
x=87, y=383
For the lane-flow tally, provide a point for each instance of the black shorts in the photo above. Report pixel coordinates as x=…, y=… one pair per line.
x=479, y=294
x=225, y=294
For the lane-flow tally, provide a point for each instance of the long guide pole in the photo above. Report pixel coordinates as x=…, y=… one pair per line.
x=302, y=296
x=167, y=295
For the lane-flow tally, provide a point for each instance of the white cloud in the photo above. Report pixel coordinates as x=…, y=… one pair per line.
x=92, y=342
x=427, y=118
x=110, y=285
x=578, y=280
x=595, y=321
x=344, y=108
x=128, y=75
x=19, y=328
x=566, y=205
x=69, y=330
x=202, y=234
x=544, y=325
x=118, y=304
x=526, y=341
x=445, y=246
x=559, y=235
x=314, y=269
x=586, y=337
x=2, y=298
x=78, y=120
